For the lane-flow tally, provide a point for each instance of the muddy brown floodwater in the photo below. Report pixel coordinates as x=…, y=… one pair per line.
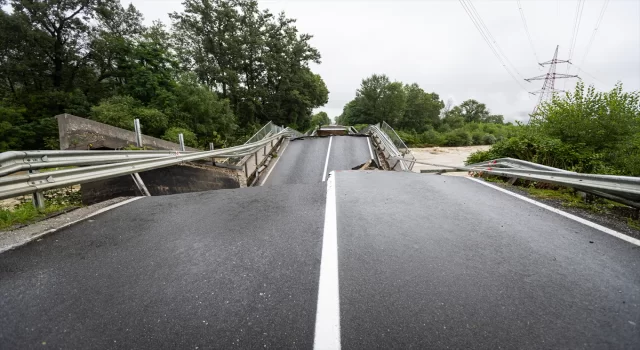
x=454, y=156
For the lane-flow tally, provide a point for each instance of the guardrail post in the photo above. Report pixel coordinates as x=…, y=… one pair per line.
x=181, y=141
x=264, y=151
x=140, y=184
x=37, y=198
x=138, y=130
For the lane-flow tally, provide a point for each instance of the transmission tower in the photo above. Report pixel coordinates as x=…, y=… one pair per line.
x=548, y=88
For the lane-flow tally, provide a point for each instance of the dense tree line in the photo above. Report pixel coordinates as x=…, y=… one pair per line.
x=420, y=117
x=224, y=68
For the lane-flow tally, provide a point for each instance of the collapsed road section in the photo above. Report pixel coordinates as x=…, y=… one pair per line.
x=308, y=160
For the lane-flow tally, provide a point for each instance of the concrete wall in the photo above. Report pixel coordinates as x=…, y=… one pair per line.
x=170, y=180
x=80, y=133
x=83, y=134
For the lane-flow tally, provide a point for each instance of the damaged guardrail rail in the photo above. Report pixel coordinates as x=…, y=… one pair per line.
x=392, y=146
x=99, y=165
x=15, y=161
x=621, y=189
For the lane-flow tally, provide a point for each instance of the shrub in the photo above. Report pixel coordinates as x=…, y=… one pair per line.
x=432, y=138
x=457, y=137
x=120, y=111
x=411, y=138
x=190, y=138
x=479, y=156
x=477, y=137
x=488, y=139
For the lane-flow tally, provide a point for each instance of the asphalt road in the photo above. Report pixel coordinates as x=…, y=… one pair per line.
x=436, y=262
x=220, y=269
x=425, y=261
x=304, y=160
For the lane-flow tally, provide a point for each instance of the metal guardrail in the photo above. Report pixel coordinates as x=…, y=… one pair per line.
x=113, y=164
x=404, y=160
x=621, y=189
x=400, y=145
x=15, y=161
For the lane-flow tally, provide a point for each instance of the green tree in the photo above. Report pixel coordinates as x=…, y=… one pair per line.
x=320, y=118
x=378, y=99
x=422, y=109
x=256, y=60
x=494, y=118
x=454, y=118
x=472, y=111
x=195, y=107
x=190, y=139
x=120, y=111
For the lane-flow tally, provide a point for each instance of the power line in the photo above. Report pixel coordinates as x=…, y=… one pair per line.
x=576, y=26
x=486, y=39
x=580, y=69
x=593, y=34
x=574, y=33
x=475, y=12
x=526, y=29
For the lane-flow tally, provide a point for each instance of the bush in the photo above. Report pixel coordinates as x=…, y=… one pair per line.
x=479, y=156
x=152, y=121
x=411, y=138
x=546, y=151
x=432, y=138
x=488, y=139
x=120, y=111
x=457, y=137
x=116, y=111
x=477, y=137
x=190, y=138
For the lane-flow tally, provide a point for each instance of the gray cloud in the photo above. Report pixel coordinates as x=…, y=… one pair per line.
x=435, y=44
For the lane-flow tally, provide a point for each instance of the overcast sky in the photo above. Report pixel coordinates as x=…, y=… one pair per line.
x=435, y=44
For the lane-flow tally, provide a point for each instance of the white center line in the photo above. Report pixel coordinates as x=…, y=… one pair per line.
x=326, y=163
x=565, y=214
x=274, y=164
x=327, y=332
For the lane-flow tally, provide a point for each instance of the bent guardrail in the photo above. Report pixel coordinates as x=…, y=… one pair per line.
x=404, y=159
x=621, y=189
x=112, y=164
x=15, y=161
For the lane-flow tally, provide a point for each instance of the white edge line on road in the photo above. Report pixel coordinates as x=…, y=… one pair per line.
x=327, y=331
x=370, y=150
x=274, y=164
x=563, y=213
x=326, y=163
x=99, y=211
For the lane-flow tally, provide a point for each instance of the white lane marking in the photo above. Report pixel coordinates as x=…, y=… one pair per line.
x=565, y=214
x=274, y=164
x=370, y=150
x=326, y=163
x=327, y=332
x=100, y=211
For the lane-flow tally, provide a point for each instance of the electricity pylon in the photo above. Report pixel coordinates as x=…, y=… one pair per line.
x=548, y=88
